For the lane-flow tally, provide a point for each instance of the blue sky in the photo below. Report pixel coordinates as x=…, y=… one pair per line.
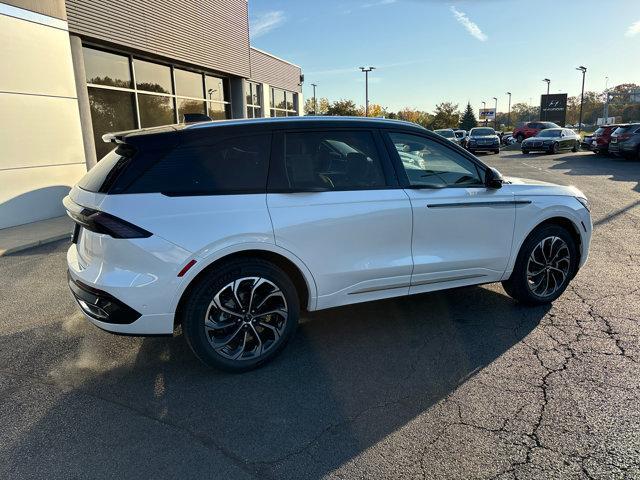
x=428, y=51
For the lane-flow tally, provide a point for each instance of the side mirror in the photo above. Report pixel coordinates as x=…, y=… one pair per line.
x=493, y=179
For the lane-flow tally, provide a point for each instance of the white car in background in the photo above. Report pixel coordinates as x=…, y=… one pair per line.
x=232, y=228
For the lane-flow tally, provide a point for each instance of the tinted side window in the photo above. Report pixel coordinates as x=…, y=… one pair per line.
x=429, y=164
x=332, y=160
x=229, y=165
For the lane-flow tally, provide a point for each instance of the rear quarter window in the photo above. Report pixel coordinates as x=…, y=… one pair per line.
x=229, y=165
x=99, y=178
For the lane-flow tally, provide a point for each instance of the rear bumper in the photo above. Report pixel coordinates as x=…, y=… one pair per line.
x=622, y=148
x=100, y=305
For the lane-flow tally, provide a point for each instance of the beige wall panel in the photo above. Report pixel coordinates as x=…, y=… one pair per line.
x=31, y=194
x=35, y=59
x=36, y=130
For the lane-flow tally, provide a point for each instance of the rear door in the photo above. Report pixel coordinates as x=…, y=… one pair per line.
x=335, y=204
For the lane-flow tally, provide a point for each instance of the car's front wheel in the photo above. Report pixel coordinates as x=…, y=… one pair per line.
x=520, y=138
x=241, y=314
x=555, y=148
x=547, y=261
x=525, y=152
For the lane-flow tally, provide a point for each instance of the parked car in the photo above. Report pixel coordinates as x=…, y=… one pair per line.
x=625, y=141
x=449, y=134
x=232, y=228
x=483, y=139
x=463, y=137
x=530, y=129
x=552, y=140
x=506, y=137
x=601, y=138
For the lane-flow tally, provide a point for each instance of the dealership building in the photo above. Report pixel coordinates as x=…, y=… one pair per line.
x=76, y=69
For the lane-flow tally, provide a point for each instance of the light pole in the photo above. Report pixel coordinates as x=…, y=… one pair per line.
x=484, y=107
x=584, y=71
x=495, y=114
x=315, y=105
x=605, y=110
x=509, y=114
x=545, y=112
x=366, y=88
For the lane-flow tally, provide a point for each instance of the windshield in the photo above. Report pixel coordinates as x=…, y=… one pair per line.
x=481, y=132
x=446, y=133
x=549, y=133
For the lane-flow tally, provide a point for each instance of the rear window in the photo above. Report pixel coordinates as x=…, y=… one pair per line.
x=599, y=131
x=621, y=130
x=102, y=175
x=236, y=164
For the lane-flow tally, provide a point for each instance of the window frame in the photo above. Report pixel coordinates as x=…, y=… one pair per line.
x=273, y=110
x=278, y=179
x=401, y=172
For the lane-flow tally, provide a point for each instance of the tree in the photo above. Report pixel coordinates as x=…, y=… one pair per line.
x=446, y=115
x=416, y=116
x=468, y=119
x=343, y=108
x=322, y=104
x=376, y=110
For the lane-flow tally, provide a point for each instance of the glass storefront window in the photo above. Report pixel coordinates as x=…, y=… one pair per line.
x=283, y=103
x=155, y=110
x=278, y=98
x=188, y=84
x=186, y=105
x=218, y=111
x=152, y=77
x=153, y=100
x=215, y=88
x=111, y=111
x=103, y=68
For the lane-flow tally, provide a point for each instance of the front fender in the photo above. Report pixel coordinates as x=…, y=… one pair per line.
x=543, y=208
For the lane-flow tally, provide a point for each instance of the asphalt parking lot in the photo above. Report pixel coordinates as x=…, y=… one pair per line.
x=459, y=384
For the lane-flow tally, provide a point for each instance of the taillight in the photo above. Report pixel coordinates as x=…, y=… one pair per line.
x=101, y=222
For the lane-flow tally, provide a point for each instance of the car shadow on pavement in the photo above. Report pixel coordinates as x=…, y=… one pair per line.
x=617, y=169
x=351, y=377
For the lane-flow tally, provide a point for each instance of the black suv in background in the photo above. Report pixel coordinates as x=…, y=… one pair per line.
x=483, y=139
x=625, y=141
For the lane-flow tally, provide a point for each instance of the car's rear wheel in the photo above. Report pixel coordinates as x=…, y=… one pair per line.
x=525, y=152
x=576, y=147
x=241, y=315
x=547, y=261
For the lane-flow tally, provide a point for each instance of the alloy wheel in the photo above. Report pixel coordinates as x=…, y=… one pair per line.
x=246, y=318
x=548, y=266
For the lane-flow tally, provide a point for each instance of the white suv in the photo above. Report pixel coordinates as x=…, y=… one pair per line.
x=231, y=228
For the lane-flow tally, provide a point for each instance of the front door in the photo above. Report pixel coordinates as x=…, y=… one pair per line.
x=335, y=204
x=462, y=231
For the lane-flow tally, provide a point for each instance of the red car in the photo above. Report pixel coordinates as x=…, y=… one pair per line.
x=531, y=129
x=602, y=138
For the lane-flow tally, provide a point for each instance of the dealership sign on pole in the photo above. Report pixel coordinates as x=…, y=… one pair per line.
x=487, y=113
x=553, y=108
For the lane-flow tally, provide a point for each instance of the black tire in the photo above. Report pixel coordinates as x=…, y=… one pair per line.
x=518, y=287
x=555, y=148
x=496, y=151
x=520, y=138
x=525, y=152
x=575, y=148
x=472, y=151
x=198, y=303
